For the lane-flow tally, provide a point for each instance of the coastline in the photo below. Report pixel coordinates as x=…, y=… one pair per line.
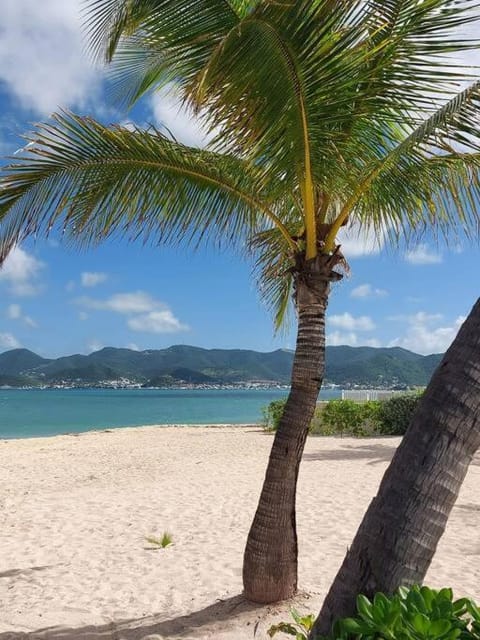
x=78, y=509
x=75, y=434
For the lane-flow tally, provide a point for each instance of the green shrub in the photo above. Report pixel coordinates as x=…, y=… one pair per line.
x=351, y=418
x=346, y=417
x=395, y=414
x=274, y=411
x=272, y=414
x=417, y=613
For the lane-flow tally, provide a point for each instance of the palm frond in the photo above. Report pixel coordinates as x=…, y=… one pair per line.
x=155, y=41
x=96, y=181
x=452, y=127
x=274, y=274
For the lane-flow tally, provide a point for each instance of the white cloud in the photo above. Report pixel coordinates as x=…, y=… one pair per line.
x=423, y=336
x=82, y=315
x=133, y=346
x=92, y=278
x=8, y=341
x=357, y=241
x=14, y=312
x=42, y=59
x=367, y=291
x=169, y=113
x=422, y=254
x=21, y=272
x=350, y=323
x=94, y=345
x=337, y=338
x=156, y=322
x=127, y=303
x=145, y=312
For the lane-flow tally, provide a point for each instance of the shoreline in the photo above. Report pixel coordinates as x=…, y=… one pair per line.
x=77, y=512
x=99, y=431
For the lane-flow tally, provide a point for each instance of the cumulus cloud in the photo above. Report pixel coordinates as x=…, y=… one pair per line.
x=42, y=58
x=92, y=278
x=8, y=341
x=169, y=113
x=133, y=346
x=360, y=241
x=94, y=345
x=423, y=335
x=351, y=339
x=14, y=312
x=127, y=303
x=367, y=291
x=422, y=254
x=145, y=312
x=156, y=322
x=21, y=272
x=350, y=323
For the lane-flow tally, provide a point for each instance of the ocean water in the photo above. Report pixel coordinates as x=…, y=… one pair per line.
x=26, y=413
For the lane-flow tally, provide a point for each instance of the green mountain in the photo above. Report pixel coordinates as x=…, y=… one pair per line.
x=346, y=366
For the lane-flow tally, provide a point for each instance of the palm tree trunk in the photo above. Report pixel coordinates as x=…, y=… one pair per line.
x=270, y=560
x=400, y=531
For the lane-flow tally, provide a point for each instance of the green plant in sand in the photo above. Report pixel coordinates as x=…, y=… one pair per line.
x=162, y=542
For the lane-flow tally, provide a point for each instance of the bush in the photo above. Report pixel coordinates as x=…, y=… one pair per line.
x=395, y=414
x=347, y=417
x=351, y=418
x=417, y=613
x=272, y=414
x=274, y=411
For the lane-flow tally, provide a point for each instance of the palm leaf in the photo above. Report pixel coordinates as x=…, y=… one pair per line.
x=273, y=268
x=452, y=126
x=97, y=181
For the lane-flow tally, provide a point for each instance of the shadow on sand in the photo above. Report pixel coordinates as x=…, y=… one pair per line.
x=139, y=629
x=376, y=453
x=11, y=573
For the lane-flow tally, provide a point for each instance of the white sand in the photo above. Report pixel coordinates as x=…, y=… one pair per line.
x=75, y=511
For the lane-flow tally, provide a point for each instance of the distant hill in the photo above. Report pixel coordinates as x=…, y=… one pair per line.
x=368, y=366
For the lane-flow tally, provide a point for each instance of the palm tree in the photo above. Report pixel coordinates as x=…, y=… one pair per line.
x=398, y=536
x=323, y=113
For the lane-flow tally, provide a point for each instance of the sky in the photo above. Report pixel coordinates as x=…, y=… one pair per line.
x=56, y=300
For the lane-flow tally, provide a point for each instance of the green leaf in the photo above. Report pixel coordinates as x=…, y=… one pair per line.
x=439, y=628
x=351, y=626
x=282, y=627
x=364, y=607
x=421, y=624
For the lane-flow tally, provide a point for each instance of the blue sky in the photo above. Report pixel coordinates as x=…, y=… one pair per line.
x=56, y=300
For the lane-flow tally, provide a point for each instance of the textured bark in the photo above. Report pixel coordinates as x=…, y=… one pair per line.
x=270, y=560
x=400, y=531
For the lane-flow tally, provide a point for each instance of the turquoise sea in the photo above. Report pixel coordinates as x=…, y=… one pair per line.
x=26, y=413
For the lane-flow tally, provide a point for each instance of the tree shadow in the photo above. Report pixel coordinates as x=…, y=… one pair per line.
x=11, y=573
x=376, y=453
x=467, y=506
x=141, y=628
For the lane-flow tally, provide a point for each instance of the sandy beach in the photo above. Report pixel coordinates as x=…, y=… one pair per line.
x=76, y=510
